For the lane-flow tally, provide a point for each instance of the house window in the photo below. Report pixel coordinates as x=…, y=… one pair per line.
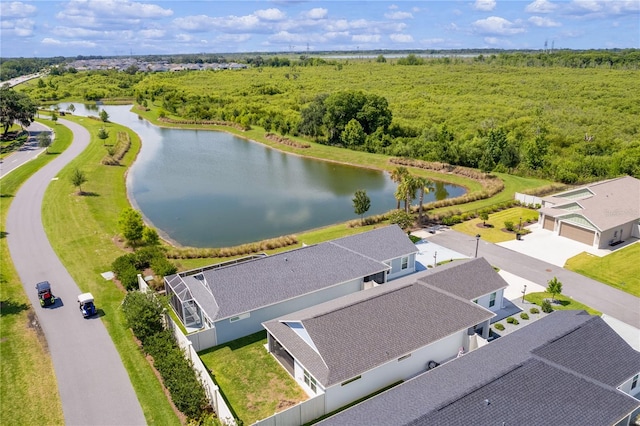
x=350, y=380
x=634, y=383
x=404, y=357
x=310, y=381
x=615, y=234
x=492, y=300
x=405, y=263
x=240, y=317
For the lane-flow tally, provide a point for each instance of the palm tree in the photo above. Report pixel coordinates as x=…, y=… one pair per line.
x=408, y=188
x=425, y=187
x=397, y=176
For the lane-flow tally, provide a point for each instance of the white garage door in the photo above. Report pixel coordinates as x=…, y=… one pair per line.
x=576, y=233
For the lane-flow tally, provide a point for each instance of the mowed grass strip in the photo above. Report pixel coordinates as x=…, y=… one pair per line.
x=28, y=385
x=255, y=385
x=565, y=303
x=495, y=234
x=620, y=269
x=82, y=231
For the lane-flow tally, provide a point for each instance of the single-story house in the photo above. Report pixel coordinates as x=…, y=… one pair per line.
x=601, y=214
x=569, y=368
x=233, y=301
x=348, y=348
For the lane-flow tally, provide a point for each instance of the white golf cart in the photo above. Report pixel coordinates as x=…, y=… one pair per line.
x=87, y=307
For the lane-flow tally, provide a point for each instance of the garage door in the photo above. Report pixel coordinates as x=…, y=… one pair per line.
x=576, y=233
x=548, y=223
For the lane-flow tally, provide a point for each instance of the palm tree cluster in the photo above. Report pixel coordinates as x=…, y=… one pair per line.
x=408, y=185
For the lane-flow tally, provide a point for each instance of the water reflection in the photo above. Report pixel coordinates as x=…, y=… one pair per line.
x=212, y=189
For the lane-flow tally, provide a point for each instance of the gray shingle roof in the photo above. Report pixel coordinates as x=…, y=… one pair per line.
x=359, y=332
x=520, y=386
x=614, y=202
x=468, y=279
x=381, y=244
x=231, y=290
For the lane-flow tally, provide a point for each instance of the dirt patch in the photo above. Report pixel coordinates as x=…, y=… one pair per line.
x=283, y=405
x=484, y=226
x=34, y=324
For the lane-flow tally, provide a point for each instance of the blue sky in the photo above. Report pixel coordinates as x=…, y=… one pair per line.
x=121, y=27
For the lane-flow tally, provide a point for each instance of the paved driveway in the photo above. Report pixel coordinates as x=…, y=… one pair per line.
x=548, y=247
x=94, y=385
x=597, y=295
x=27, y=152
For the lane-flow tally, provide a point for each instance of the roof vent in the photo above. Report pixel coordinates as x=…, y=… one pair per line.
x=487, y=402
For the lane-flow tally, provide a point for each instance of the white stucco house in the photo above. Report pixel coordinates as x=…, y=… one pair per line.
x=348, y=348
x=601, y=214
x=569, y=368
x=231, y=301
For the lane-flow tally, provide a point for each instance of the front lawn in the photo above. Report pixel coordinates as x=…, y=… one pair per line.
x=254, y=384
x=619, y=269
x=494, y=234
x=564, y=302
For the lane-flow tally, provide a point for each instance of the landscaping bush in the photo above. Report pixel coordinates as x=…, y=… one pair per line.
x=512, y=320
x=534, y=310
x=524, y=316
x=508, y=225
x=124, y=267
x=546, y=307
x=498, y=326
x=161, y=266
x=143, y=314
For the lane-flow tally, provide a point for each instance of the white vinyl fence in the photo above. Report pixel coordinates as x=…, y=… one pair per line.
x=213, y=393
x=528, y=200
x=299, y=414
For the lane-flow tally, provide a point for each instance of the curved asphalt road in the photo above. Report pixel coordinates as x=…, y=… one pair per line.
x=94, y=385
x=27, y=152
x=606, y=299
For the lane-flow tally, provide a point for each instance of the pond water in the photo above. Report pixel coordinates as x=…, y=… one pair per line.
x=203, y=188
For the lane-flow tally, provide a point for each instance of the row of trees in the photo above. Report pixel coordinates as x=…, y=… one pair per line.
x=15, y=107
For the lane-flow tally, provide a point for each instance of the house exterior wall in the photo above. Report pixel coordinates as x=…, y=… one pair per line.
x=338, y=396
x=227, y=331
x=613, y=234
x=396, y=267
x=626, y=387
x=485, y=301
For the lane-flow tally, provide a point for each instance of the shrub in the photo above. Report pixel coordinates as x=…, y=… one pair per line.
x=124, y=267
x=143, y=314
x=498, y=326
x=524, y=316
x=508, y=225
x=534, y=311
x=546, y=307
x=510, y=320
x=161, y=266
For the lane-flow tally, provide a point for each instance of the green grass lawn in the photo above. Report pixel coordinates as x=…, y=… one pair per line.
x=26, y=370
x=254, y=384
x=566, y=303
x=87, y=225
x=620, y=269
x=495, y=233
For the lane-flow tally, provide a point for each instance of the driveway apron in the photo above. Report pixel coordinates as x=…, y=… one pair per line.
x=93, y=383
x=595, y=294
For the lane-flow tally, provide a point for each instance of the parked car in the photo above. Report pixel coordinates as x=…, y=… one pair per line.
x=87, y=307
x=44, y=294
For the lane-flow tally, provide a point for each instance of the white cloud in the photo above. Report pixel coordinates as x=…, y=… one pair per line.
x=120, y=8
x=270, y=14
x=540, y=21
x=401, y=38
x=317, y=13
x=495, y=25
x=492, y=40
x=18, y=27
x=393, y=6
x=151, y=33
x=540, y=6
x=16, y=9
x=366, y=38
x=485, y=5
x=603, y=8
x=398, y=15
x=73, y=43
x=432, y=41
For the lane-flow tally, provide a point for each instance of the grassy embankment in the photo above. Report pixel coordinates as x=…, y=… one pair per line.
x=493, y=232
x=27, y=380
x=81, y=230
x=564, y=302
x=619, y=269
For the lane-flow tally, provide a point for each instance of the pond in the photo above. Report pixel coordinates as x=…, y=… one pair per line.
x=204, y=188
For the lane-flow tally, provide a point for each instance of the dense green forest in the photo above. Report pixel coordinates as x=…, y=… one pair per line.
x=569, y=117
